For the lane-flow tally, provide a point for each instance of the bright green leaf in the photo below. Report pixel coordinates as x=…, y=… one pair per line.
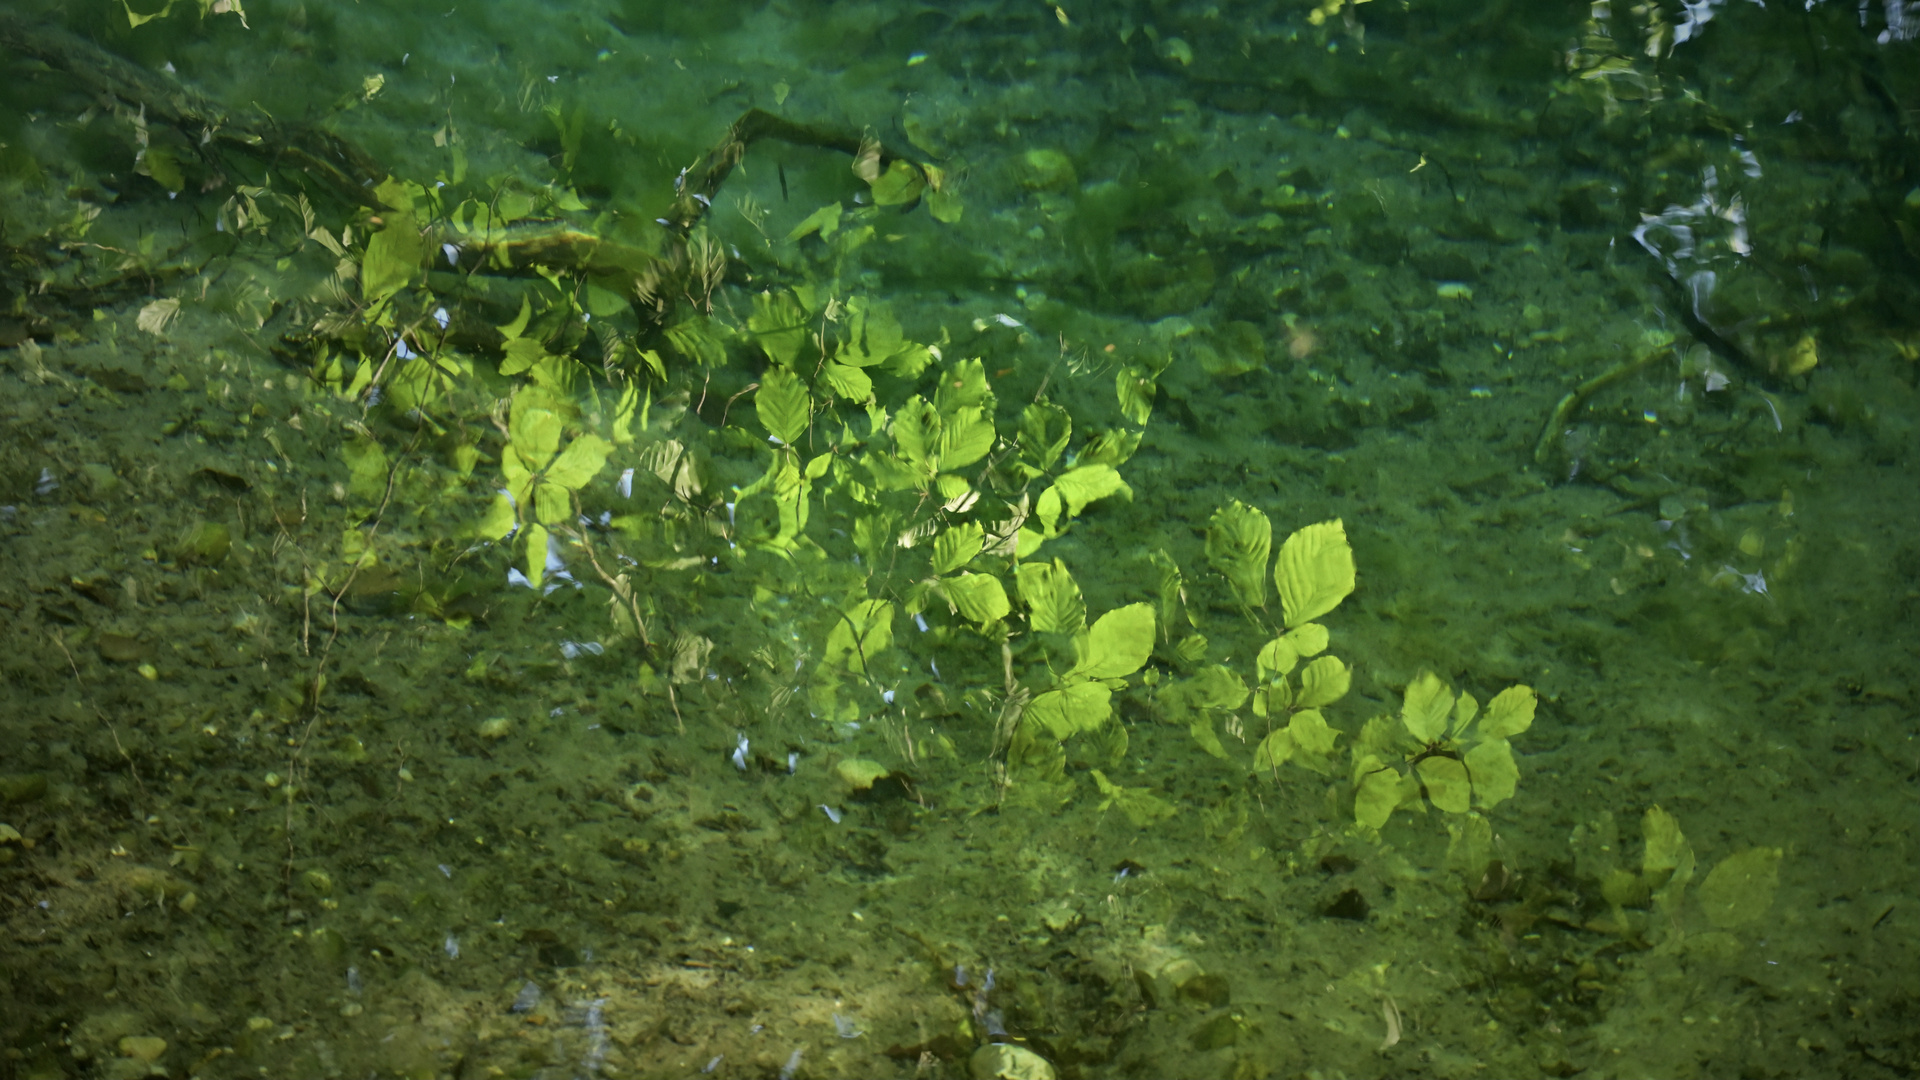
x=967, y=437
x=963, y=385
x=1509, y=713
x=580, y=462
x=780, y=325
x=536, y=555
x=1079, y=486
x=1314, y=572
x=499, y=519
x=1119, y=642
x=1273, y=751
x=956, y=547
x=979, y=598
x=860, y=636
x=1665, y=842
x=1071, y=710
x=1323, y=682
x=1239, y=542
x=1052, y=597
x=1378, y=795
x=1110, y=448
x=916, y=434
x=1044, y=431
x=849, y=382
x=534, y=434
x=552, y=504
x=900, y=184
x=1494, y=773
x=783, y=405
x=1214, y=687
x=1308, y=640
x=1276, y=657
x=1446, y=782
x=1136, y=388
x=394, y=257
x=1311, y=734
x=1427, y=704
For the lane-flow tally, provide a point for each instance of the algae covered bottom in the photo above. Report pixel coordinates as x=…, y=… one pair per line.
x=993, y=540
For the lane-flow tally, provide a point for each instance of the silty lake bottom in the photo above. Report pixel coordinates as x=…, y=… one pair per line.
x=977, y=540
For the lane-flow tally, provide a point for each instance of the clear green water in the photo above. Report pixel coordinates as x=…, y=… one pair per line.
x=304, y=787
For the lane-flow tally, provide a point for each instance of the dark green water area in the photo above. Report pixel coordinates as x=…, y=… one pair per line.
x=967, y=540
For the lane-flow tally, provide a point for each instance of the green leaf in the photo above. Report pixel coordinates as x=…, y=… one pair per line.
x=780, y=324
x=580, y=462
x=1324, y=682
x=697, y=340
x=1314, y=572
x=1172, y=588
x=1045, y=429
x=499, y=520
x=1465, y=708
x=1110, y=448
x=394, y=257
x=1276, y=658
x=1071, y=710
x=849, y=382
x=1202, y=731
x=1214, y=687
x=962, y=386
x=916, y=434
x=890, y=473
x=1119, y=643
x=1079, y=486
x=1509, y=713
x=900, y=184
x=1311, y=734
x=979, y=598
x=518, y=326
x=1494, y=773
x=367, y=463
x=1665, y=842
x=1426, y=706
x=823, y=221
x=955, y=492
x=1446, y=782
x=1136, y=387
x=551, y=504
x=956, y=547
x=1378, y=795
x=967, y=437
x=1052, y=598
x=874, y=335
x=1308, y=640
x=1273, y=751
x=1141, y=807
x=1740, y=889
x=1239, y=542
x=536, y=554
x=783, y=405
x=521, y=354
x=859, y=637
x=945, y=206
x=534, y=434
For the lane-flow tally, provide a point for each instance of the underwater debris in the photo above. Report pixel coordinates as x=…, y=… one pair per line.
x=526, y=999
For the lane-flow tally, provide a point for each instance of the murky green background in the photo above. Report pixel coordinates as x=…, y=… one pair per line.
x=297, y=784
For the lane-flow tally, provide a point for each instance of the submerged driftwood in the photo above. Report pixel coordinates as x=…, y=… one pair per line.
x=341, y=169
